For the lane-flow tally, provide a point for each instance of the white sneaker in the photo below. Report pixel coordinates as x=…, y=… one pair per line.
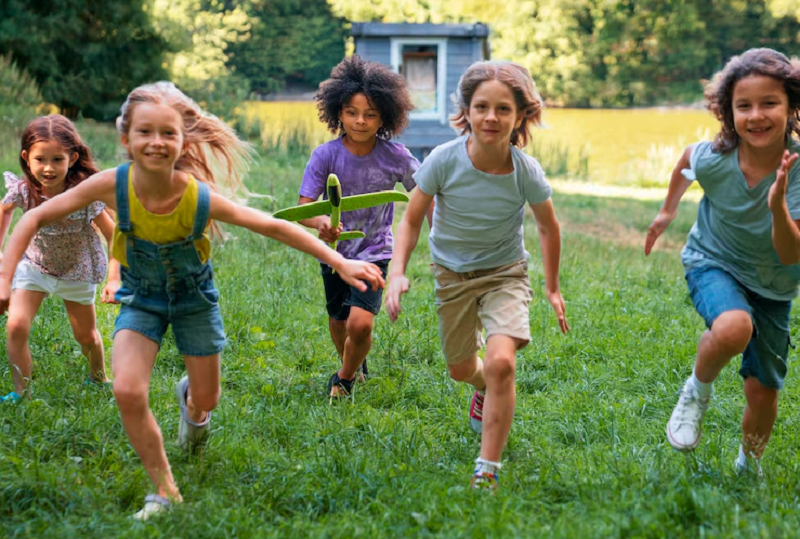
x=751, y=466
x=686, y=422
x=191, y=435
x=153, y=505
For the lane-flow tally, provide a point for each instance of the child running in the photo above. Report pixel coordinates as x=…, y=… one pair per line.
x=164, y=200
x=366, y=104
x=481, y=182
x=65, y=258
x=741, y=256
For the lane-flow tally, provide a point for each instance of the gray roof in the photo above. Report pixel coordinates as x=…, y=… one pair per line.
x=404, y=29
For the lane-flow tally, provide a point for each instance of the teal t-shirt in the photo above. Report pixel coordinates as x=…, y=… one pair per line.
x=734, y=224
x=477, y=218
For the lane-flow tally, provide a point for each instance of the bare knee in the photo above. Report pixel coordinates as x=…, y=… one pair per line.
x=18, y=330
x=131, y=397
x=359, y=329
x=206, y=399
x=760, y=397
x=90, y=338
x=500, y=368
x=463, y=371
x=732, y=331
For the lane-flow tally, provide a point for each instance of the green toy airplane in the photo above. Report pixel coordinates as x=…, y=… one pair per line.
x=336, y=204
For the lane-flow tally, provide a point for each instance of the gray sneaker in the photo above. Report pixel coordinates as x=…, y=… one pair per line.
x=686, y=422
x=191, y=435
x=476, y=411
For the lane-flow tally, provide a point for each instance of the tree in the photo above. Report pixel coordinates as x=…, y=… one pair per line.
x=86, y=55
x=290, y=40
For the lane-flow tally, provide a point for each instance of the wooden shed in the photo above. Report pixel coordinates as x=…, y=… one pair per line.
x=432, y=58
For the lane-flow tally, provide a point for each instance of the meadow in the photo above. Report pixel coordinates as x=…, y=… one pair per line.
x=587, y=456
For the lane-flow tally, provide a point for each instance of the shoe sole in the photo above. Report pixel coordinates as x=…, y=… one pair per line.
x=680, y=447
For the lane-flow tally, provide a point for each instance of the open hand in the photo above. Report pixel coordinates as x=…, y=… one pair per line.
x=355, y=272
x=398, y=285
x=559, y=307
x=777, y=192
x=657, y=227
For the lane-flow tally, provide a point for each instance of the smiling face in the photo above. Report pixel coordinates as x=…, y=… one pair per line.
x=49, y=162
x=361, y=120
x=760, y=112
x=155, y=137
x=493, y=115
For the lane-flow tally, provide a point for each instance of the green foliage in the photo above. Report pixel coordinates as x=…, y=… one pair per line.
x=85, y=54
x=289, y=41
x=19, y=97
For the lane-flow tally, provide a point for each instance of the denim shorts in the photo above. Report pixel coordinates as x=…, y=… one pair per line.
x=340, y=296
x=195, y=317
x=715, y=291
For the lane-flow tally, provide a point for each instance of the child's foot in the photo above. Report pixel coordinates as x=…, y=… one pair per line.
x=748, y=464
x=476, y=411
x=362, y=372
x=686, y=422
x=105, y=382
x=11, y=397
x=339, y=387
x=191, y=435
x=153, y=505
x=484, y=481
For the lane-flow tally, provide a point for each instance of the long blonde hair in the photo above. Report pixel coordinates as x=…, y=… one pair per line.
x=519, y=81
x=211, y=147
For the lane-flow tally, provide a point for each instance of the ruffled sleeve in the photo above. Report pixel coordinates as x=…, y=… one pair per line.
x=14, y=191
x=95, y=209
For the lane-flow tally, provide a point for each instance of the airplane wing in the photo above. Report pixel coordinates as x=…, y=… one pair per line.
x=368, y=200
x=304, y=211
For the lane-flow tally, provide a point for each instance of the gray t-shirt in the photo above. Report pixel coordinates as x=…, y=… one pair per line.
x=388, y=164
x=477, y=220
x=734, y=224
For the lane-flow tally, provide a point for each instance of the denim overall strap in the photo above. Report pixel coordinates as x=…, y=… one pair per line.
x=201, y=213
x=123, y=207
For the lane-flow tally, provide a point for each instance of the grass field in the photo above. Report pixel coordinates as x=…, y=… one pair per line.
x=587, y=456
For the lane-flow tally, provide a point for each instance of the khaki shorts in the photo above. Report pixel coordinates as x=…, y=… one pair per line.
x=495, y=299
x=28, y=277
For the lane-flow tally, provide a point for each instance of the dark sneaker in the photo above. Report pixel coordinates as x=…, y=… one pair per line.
x=191, y=435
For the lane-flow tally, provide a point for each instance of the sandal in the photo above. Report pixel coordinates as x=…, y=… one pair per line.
x=153, y=505
x=345, y=386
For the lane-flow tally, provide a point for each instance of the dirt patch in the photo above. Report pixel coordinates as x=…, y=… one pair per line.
x=619, y=234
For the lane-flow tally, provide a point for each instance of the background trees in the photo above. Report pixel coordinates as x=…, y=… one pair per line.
x=85, y=55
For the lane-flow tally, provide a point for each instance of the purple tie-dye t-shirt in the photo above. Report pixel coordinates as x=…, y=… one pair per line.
x=387, y=164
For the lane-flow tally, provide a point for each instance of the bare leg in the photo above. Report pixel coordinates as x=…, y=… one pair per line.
x=469, y=371
x=358, y=341
x=759, y=416
x=204, y=390
x=132, y=362
x=501, y=397
x=22, y=310
x=729, y=335
x=84, y=327
x=338, y=329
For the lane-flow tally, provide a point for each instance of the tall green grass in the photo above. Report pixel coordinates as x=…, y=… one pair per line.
x=587, y=456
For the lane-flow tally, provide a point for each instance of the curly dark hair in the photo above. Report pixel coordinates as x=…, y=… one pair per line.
x=765, y=62
x=385, y=90
x=60, y=129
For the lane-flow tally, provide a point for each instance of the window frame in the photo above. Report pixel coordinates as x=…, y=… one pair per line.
x=396, y=57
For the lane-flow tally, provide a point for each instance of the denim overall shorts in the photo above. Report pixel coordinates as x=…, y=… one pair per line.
x=168, y=284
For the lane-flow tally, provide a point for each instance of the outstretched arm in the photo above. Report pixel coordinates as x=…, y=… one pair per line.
x=550, y=239
x=785, y=232
x=98, y=187
x=677, y=187
x=351, y=271
x=5, y=221
x=419, y=206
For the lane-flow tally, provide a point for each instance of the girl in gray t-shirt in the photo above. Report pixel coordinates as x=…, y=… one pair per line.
x=481, y=183
x=741, y=257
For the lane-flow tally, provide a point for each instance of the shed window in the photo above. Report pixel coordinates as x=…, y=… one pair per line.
x=419, y=65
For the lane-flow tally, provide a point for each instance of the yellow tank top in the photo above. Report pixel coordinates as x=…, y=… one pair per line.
x=161, y=229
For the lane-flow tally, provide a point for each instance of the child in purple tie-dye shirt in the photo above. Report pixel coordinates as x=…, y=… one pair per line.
x=365, y=104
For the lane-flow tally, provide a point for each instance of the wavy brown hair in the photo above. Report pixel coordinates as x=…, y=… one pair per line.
x=519, y=81
x=55, y=127
x=765, y=62
x=384, y=89
x=211, y=147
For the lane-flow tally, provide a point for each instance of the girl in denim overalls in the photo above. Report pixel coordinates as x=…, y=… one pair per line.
x=164, y=205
